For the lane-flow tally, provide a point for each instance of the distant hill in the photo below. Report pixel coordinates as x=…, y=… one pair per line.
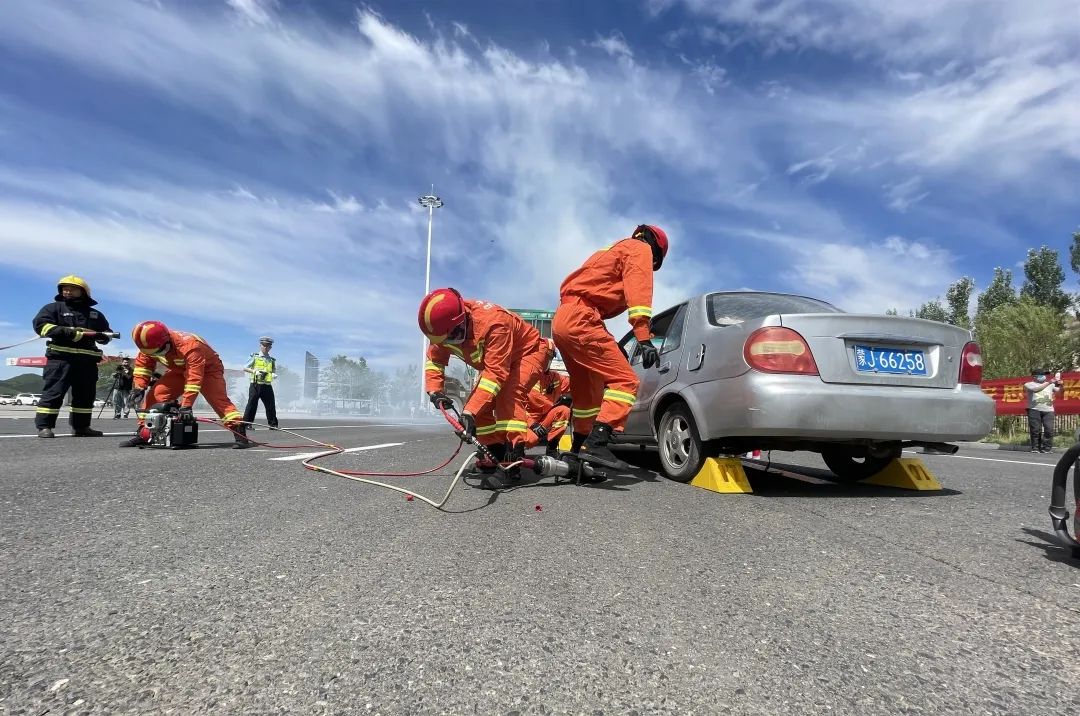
x=25, y=383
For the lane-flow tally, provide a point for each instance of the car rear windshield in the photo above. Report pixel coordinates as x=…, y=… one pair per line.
x=726, y=309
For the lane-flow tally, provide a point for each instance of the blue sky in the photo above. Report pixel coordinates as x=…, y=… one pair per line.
x=240, y=167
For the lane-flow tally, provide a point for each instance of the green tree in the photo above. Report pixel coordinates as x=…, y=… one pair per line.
x=286, y=384
x=1043, y=279
x=1074, y=252
x=1015, y=337
x=999, y=292
x=892, y=312
x=932, y=311
x=958, y=296
x=351, y=378
x=404, y=387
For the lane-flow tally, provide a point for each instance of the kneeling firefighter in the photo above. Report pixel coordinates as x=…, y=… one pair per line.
x=603, y=385
x=191, y=367
x=509, y=354
x=548, y=407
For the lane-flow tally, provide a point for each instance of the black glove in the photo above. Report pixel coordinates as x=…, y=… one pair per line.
x=186, y=415
x=441, y=400
x=649, y=355
x=136, y=396
x=468, y=426
x=540, y=430
x=564, y=399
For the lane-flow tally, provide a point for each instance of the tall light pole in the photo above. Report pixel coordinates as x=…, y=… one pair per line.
x=431, y=203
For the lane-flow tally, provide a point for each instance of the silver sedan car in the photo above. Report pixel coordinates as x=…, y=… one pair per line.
x=741, y=371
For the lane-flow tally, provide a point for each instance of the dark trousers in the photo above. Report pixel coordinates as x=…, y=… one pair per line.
x=60, y=375
x=1041, y=428
x=265, y=393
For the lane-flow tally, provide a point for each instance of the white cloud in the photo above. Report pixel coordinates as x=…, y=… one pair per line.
x=903, y=195
x=256, y=12
x=868, y=276
x=615, y=45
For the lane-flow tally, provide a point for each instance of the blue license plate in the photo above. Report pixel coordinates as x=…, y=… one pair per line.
x=870, y=359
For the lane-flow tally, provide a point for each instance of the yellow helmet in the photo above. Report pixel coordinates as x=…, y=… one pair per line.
x=73, y=280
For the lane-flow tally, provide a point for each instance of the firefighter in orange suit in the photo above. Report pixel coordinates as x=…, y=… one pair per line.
x=509, y=354
x=603, y=385
x=548, y=407
x=191, y=367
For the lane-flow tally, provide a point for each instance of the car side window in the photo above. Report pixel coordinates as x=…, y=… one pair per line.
x=673, y=334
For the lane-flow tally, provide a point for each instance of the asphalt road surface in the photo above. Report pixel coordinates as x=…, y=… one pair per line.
x=214, y=580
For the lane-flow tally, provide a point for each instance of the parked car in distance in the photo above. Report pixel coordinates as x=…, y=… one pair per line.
x=742, y=371
x=27, y=398
x=7, y=399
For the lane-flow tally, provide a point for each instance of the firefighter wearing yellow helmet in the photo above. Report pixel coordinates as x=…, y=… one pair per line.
x=74, y=328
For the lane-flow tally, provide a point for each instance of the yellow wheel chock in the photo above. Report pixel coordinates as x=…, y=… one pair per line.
x=907, y=473
x=724, y=475
x=565, y=443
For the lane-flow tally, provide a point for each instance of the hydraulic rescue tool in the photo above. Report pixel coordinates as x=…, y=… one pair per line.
x=542, y=465
x=167, y=425
x=1059, y=514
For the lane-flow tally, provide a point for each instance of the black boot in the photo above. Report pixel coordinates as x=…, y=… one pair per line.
x=514, y=454
x=241, y=437
x=488, y=471
x=136, y=441
x=595, y=450
x=86, y=433
x=46, y=433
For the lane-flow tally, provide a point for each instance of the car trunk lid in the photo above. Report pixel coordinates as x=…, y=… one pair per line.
x=881, y=350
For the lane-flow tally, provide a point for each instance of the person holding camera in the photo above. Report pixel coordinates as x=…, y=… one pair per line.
x=262, y=367
x=123, y=378
x=1040, y=392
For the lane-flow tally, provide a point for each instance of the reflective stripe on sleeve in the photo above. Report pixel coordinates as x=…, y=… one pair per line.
x=636, y=311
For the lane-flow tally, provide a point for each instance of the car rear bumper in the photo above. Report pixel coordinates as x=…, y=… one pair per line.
x=759, y=404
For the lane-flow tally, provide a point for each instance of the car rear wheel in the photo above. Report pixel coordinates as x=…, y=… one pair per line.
x=681, y=451
x=853, y=464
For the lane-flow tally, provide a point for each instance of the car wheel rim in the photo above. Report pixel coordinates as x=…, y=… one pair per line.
x=677, y=442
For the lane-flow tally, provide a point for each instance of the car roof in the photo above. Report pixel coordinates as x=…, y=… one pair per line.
x=703, y=296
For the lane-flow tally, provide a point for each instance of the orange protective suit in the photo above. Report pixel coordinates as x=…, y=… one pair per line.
x=191, y=367
x=510, y=356
x=602, y=383
x=541, y=408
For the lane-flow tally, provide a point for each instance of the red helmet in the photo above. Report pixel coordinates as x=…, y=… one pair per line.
x=442, y=316
x=655, y=237
x=150, y=336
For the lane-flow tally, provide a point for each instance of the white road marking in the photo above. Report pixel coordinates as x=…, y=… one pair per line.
x=222, y=430
x=306, y=455
x=998, y=459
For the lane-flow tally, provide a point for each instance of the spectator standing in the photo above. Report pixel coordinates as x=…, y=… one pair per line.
x=121, y=388
x=1040, y=392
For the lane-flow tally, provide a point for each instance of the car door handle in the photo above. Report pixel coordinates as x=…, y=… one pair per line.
x=664, y=367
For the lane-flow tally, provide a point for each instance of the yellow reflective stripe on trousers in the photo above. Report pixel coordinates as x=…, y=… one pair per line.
x=558, y=424
x=511, y=426
x=586, y=412
x=636, y=311
x=192, y=387
x=48, y=411
x=232, y=415
x=430, y=365
x=490, y=386
x=82, y=411
x=619, y=396
x=76, y=351
x=45, y=329
x=486, y=429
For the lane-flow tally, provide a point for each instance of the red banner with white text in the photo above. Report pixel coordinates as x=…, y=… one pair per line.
x=1009, y=397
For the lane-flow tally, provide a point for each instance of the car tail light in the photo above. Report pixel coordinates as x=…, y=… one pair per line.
x=971, y=364
x=779, y=350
